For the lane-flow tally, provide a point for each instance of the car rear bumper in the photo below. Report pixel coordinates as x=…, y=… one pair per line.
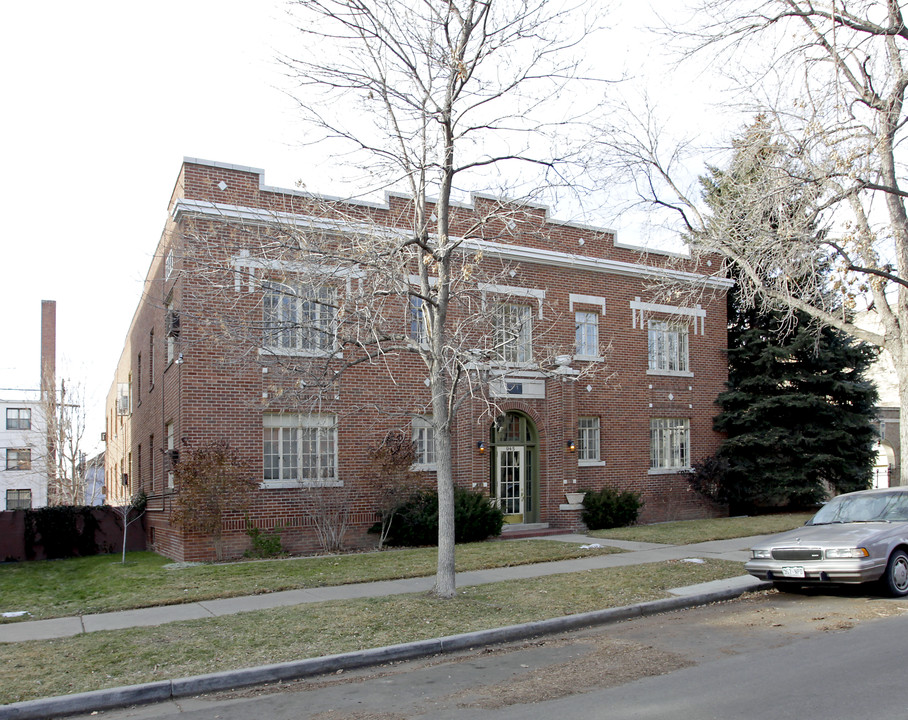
x=832, y=571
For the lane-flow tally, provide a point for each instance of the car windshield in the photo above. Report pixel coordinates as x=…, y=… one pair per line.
x=872, y=507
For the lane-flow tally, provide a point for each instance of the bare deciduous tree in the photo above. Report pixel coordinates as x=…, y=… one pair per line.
x=135, y=508
x=392, y=464
x=210, y=483
x=828, y=80
x=423, y=98
x=63, y=412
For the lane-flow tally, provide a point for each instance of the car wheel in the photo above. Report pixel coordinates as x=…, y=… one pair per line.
x=896, y=577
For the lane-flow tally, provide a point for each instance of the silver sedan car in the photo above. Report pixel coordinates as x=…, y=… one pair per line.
x=858, y=537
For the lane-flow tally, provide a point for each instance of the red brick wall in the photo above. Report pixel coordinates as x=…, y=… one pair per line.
x=217, y=391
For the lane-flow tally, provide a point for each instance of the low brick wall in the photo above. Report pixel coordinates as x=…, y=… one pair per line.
x=108, y=536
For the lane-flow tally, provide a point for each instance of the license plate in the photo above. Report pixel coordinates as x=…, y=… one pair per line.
x=793, y=571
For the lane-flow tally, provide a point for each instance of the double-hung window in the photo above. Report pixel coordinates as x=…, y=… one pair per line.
x=18, y=499
x=586, y=326
x=299, y=320
x=669, y=444
x=172, y=454
x=423, y=444
x=667, y=347
x=418, y=329
x=18, y=459
x=513, y=333
x=299, y=449
x=18, y=419
x=588, y=439
x=171, y=329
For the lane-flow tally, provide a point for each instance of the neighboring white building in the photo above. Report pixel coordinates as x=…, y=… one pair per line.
x=886, y=471
x=23, y=449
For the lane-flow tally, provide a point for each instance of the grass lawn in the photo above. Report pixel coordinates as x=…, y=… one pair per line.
x=685, y=532
x=77, y=586
x=109, y=659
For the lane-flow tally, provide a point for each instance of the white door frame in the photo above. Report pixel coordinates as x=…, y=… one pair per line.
x=510, y=459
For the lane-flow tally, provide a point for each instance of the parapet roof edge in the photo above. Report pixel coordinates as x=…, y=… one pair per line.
x=469, y=206
x=516, y=252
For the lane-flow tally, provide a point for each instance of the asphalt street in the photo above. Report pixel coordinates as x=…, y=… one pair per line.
x=764, y=656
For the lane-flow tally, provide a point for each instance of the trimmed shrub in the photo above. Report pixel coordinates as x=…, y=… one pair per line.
x=416, y=520
x=608, y=508
x=265, y=543
x=475, y=517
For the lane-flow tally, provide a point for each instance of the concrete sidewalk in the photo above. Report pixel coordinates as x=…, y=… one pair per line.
x=636, y=554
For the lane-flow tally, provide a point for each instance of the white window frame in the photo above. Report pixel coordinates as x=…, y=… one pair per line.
x=669, y=445
x=168, y=265
x=171, y=330
x=586, y=335
x=170, y=453
x=417, y=330
x=292, y=432
x=588, y=440
x=668, y=348
x=308, y=316
x=423, y=445
x=513, y=333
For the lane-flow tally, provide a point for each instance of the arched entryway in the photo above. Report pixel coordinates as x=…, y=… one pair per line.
x=514, y=467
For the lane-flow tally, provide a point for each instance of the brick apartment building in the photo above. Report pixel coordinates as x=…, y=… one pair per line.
x=583, y=377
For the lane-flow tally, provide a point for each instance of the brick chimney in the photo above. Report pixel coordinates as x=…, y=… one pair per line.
x=48, y=348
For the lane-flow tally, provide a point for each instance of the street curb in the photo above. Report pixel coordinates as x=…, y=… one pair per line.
x=231, y=679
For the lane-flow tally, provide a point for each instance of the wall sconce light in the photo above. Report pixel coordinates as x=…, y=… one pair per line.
x=571, y=447
x=481, y=447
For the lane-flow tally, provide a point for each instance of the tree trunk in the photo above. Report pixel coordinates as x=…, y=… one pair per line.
x=444, y=578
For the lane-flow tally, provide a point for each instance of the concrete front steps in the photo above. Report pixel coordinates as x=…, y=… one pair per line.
x=516, y=531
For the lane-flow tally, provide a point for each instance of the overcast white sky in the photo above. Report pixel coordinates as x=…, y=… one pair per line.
x=102, y=100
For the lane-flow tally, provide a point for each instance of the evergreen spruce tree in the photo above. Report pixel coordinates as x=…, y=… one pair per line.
x=799, y=411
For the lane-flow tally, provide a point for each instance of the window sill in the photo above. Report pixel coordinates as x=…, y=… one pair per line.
x=591, y=463
x=589, y=358
x=298, y=484
x=668, y=471
x=500, y=366
x=424, y=468
x=293, y=352
x=671, y=373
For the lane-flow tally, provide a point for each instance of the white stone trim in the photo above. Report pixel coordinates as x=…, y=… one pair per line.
x=639, y=309
x=503, y=251
x=512, y=291
x=530, y=389
x=245, y=266
x=670, y=373
x=586, y=300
